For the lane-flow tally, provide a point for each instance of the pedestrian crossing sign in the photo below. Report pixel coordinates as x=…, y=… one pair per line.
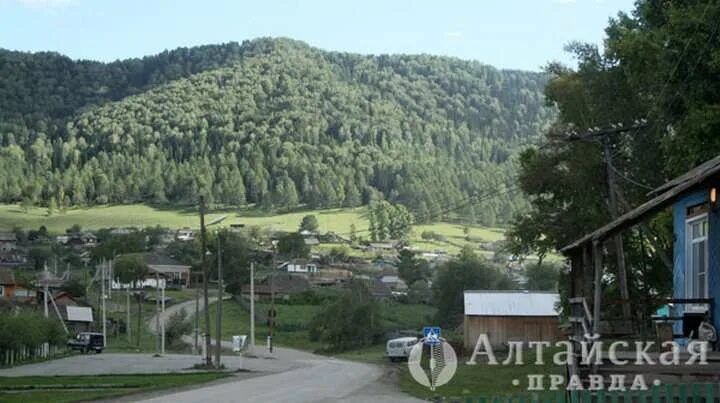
x=431, y=335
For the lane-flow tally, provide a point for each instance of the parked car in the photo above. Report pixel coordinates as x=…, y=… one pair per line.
x=86, y=341
x=399, y=349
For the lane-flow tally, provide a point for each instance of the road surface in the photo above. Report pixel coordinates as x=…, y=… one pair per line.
x=321, y=380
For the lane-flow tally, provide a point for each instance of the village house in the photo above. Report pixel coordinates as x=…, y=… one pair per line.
x=185, y=234
x=8, y=242
x=395, y=283
x=693, y=201
x=82, y=240
x=506, y=316
x=329, y=277
x=12, y=290
x=282, y=285
x=298, y=266
x=163, y=271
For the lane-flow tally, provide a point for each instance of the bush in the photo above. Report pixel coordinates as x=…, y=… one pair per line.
x=176, y=326
x=28, y=331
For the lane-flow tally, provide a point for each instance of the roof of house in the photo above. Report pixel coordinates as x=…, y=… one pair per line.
x=8, y=237
x=378, y=289
x=156, y=259
x=511, y=303
x=283, y=283
x=311, y=241
x=665, y=195
x=76, y=313
x=7, y=277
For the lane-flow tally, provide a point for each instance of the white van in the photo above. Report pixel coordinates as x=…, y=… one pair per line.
x=399, y=349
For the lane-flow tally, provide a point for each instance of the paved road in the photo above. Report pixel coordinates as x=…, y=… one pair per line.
x=322, y=380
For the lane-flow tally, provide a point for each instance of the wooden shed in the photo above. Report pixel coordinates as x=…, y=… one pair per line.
x=511, y=316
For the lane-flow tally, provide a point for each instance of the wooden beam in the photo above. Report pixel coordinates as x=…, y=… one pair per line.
x=597, y=297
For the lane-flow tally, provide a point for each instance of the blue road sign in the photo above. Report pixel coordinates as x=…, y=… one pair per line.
x=431, y=335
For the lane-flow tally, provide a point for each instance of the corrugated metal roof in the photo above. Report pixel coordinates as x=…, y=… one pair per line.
x=510, y=303
x=79, y=314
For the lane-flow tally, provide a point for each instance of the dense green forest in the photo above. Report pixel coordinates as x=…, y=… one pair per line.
x=273, y=122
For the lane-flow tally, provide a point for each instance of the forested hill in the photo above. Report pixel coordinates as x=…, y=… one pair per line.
x=270, y=121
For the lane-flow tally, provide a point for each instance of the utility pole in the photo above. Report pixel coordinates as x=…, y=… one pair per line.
x=157, y=311
x=197, y=313
x=102, y=297
x=617, y=239
x=613, y=192
x=218, y=322
x=162, y=323
x=203, y=250
x=252, y=306
x=271, y=315
x=127, y=324
x=45, y=291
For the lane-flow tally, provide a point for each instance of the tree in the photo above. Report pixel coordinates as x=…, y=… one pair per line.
x=39, y=256
x=542, y=277
x=309, y=223
x=412, y=269
x=353, y=320
x=131, y=269
x=389, y=220
x=467, y=272
x=292, y=245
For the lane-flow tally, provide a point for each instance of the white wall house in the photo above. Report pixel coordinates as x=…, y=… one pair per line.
x=299, y=266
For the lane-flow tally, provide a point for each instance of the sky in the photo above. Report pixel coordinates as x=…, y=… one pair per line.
x=515, y=34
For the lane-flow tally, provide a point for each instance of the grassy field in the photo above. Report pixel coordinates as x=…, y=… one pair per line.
x=139, y=215
x=62, y=389
x=482, y=380
x=293, y=320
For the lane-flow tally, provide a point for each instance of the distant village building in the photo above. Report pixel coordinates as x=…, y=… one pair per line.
x=329, y=277
x=299, y=266
x=506, y=316
x=283, y=285
x=311, y=241
x=163, y=272
x=185, y=234
x=393, y=282
x=379, y=290
x=8, y=242
x=82, y=240
x=10, y=289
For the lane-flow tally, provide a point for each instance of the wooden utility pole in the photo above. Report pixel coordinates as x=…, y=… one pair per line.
x=203, y=252
x=617, y=239
x=218, y=322
x=127, y=310
x=252, y=306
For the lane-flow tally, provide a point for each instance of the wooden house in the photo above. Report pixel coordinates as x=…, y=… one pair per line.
x=11, y=289
x=693, y=201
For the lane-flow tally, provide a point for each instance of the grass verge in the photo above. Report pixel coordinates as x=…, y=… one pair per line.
x=65, y=389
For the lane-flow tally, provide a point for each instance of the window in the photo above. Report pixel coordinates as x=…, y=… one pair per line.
x=2, y=291
x=696, y=267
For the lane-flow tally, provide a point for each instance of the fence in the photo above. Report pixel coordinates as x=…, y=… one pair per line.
x=10, y=357
x=694, y=393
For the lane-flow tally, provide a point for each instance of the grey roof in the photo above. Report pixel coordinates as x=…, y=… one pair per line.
x=666, y=195
x=7, y=277
x=156, y=259
x=8, y=237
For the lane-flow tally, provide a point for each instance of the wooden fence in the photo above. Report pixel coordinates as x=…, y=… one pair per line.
x=10, y=357
x=695, y=393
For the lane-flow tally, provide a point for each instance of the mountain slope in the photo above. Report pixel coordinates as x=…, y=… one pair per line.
x=281, y=123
